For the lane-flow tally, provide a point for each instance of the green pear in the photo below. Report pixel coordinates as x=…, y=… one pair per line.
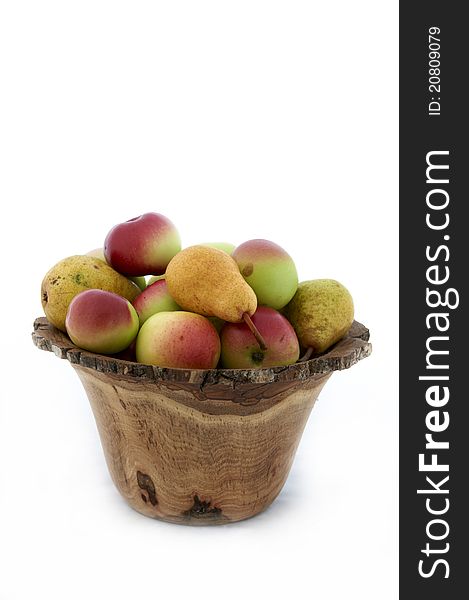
x=321, y=313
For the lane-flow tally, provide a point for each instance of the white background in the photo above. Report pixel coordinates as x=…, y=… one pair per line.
x=236, y=120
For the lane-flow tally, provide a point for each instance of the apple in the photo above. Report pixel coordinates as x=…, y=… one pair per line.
x=142, y=246
x=154, y=278
x=99, y=253
x=101, y=321
x=225, y=246
x=128, y=354
x=140, y=281
x=269, y=270
x=178, y=339
x=155, y=298
x=240, y=349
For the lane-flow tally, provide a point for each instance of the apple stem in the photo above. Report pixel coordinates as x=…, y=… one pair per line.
x=306, y=355
x=255, y=331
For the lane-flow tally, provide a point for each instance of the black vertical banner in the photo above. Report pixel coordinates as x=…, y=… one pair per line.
x=434, y=268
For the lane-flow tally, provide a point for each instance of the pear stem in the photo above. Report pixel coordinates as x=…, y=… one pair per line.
x=255, y=331
x=306, y=355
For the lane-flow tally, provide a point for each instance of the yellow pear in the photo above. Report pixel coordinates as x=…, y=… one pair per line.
x=321, y=313
x=74, y=274
x=207, y=281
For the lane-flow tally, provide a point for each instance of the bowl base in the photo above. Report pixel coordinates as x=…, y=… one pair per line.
x=177, y=463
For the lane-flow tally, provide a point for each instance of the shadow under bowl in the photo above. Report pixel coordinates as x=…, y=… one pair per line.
x=200, y=446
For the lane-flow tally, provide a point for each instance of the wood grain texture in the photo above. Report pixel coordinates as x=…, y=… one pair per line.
x=200, y=447
x=179, y=463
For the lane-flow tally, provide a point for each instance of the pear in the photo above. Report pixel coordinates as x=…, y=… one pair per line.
x=207, y=281
x=75, y=274
x=321, y=313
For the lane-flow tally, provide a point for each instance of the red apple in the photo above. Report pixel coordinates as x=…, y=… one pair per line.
x=101, y=321
x=155, y=298
x=240, y=350
x=269, y=270
x=178, y=339
x=142, y=246
x=99, y=253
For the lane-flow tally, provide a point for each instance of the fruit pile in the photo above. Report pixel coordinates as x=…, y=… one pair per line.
x=205, y=306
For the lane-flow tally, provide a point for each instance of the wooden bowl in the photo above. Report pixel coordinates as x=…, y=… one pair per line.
x=200, y=447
